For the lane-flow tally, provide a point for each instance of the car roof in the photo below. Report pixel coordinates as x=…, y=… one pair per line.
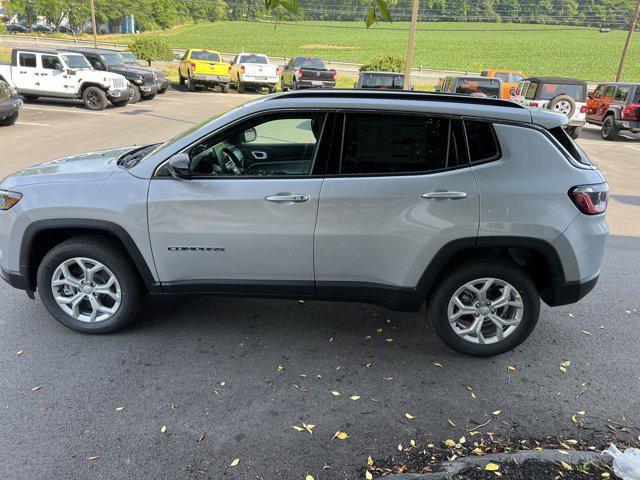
x=618, y=84
x=202, y=50
x=557, y=80
x=379, y=72
x=473, y=77
x=35, y=50
x=97, y=51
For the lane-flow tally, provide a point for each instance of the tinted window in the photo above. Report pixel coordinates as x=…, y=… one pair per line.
x=622, y=93
x=261, y=59
x=49, y=62
x=489, y=87
x=394, y=144
x=372, y=80
x=570, y=146
x=284, y=145
x=608, y=93
x=205, y=56
x=636, y=97
x=502, y=76
x=482, y=141
x=598, y=91
x=27, y=60
x=547, y=91
x=111, y=60
x=531, y=91
x=516, y=77
x=309, y=63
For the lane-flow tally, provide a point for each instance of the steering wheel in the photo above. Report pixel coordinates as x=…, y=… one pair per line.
x=230, y=163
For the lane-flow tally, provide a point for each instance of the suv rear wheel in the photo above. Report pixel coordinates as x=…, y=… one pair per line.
x=609, y=130
x=89, y=286
x=484, y=307
x=10, y=120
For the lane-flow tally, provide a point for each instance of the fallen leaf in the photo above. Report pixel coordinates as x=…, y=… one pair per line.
x=120, y=408
x=19, y=352
x=566, y=364
x=93, y=457
x=223, y=383
x=388, y=340
x=200, y=438
x=412, y=443
x=492, y=467
x=280, y=368
x=297, y=428
x=462, y=440
x=387, y=379
x=399, y=447
x=605, y=475
x=369, y=461
x=35, y=389
x=562, y=369
x=308, y=477
x=450, y=443
x=511, y=368
x=340, y=435
x=308, y=427
x=572, y=315
x=566, y=466
x=378, y=330
x=581, y=412
x=451, y=423
x=587, y=333
x=439, y=365
x=368, y=475
x=355, y=397
x=563, y=452
x=335, y=393
x=235, y=462
x=409, y=416
x=303, y=375
x=163, y=429
x=368, y=337
x=497, y=412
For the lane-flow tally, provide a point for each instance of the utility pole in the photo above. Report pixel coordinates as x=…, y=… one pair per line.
x=412, y=36
x=634, y=22
x=93, y=24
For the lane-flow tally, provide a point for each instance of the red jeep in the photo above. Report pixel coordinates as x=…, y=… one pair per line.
x=615, y=106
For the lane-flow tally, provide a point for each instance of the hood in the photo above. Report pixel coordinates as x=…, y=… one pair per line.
x=87, y=167
x=99, y=76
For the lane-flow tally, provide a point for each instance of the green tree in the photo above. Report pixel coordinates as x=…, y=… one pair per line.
x=384, y=63
x=150, y=48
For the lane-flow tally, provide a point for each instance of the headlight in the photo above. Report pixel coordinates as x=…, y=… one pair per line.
x=8, y=199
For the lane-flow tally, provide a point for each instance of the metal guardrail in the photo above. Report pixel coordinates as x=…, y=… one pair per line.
x=418, y=72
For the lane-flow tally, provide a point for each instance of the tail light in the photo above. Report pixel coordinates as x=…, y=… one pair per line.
x=278, y=71
x=333, y=73
x=229, y=69
x=193, y=65
x=590, y=199
x=299, y=73
x=534, y=104
x=632, y=112
x=583, y=109
x=242, y=68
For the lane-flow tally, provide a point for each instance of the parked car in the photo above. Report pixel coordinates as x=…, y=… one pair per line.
x=10, y=105
x=38, y=73
x=476, y=86
x=562, y=95
x=142, y=81
x=390, y=198
x=380, y=80
x=252, y=70
x=16, y=28
x=509, y=79
x=306, y=72
x=65, y=29
x=129, y=59
x=41, y=28
x=204, y=67
x=615, y=106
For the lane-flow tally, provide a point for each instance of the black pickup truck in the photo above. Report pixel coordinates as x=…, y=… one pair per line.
x=307, y=72
x=10, y=104
x=143, y=81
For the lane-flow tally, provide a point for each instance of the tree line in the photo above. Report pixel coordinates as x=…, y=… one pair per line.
x=155, y=14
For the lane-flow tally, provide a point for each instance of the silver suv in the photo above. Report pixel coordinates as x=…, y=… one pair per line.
x=478, y=207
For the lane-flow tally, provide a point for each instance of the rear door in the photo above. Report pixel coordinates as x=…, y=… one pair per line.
x=25, y=74
x=398, y=192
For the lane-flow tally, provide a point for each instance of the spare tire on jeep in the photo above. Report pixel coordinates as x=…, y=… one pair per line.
x=563, y=104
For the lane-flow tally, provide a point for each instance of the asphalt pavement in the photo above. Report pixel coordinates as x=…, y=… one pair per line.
x=197, y=383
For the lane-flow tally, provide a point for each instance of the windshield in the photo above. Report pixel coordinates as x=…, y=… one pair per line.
x=382, y=81
x=547, y=91
x=261, y=59
x=310, y=63
x=76, y=61
x=488, y=87
x=128, y=57
x=111, y=60
x=205, y=56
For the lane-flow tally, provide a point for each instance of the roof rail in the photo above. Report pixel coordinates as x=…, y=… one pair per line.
x=395, y=95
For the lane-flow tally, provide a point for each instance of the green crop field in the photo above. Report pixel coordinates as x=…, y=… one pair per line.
x=535, y=49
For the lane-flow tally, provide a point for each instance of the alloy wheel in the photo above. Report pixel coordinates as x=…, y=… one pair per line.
x=563, y=106
x=86, y=290
x=485, y=311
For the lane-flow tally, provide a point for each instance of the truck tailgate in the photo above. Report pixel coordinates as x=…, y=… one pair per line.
x=212, y=68
x=259, y=70
x=317, y=74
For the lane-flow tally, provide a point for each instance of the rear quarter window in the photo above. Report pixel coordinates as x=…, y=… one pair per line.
x=482, y=141
x=569, y=145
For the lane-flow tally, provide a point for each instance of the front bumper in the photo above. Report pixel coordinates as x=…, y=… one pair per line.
x=206, y=78
x=9, y=107
x=565, y=293
x=120, y=94
x=628, y=125
x=149, y=88
x=302, y=83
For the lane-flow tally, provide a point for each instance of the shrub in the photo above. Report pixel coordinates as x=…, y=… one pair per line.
x=384, y=63
x=149, y=48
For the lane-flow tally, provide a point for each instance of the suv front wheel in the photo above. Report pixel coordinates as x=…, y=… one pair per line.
x=88, y=285
x=484, y=307
x=609, y=129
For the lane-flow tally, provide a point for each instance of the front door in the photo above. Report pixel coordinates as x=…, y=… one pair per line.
x=402, y=190
x=245, y=221
x=52, y=77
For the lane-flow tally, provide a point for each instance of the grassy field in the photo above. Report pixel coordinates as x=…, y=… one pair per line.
x=534, y=49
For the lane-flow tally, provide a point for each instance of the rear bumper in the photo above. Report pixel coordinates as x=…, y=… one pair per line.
x=259, y=81
x=565, y=293
x=215, y=79
x=302, y=83
x=628, y=125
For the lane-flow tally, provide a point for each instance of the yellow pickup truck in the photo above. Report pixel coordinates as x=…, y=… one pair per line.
x=204, y=67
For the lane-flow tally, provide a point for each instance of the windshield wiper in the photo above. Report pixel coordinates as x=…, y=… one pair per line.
x=132, y=158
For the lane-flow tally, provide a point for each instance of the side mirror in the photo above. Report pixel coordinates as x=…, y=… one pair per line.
x=249, y=135
x=59, y=67
x=180, y=166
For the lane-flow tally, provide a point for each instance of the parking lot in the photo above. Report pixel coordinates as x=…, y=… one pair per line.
x=230, y=377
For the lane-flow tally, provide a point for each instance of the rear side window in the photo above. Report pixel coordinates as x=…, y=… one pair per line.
x=552, y=90
x=482, y=140
x=27, y=60
x=622, y=93
x=383, y=144
x=531, y=91
x=569, y=145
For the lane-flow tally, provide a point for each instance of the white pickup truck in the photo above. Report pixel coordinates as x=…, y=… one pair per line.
x=51, y=73
x=252, y=70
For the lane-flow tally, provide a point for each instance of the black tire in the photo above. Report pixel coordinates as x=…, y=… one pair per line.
x=563, y=98
x=224, y=88
x=241, y=87
x=181, y=79
x=119, y=103
x=10, y=120
x=163, y=90
x=273, y=89
x=283, y=87
x=574, y=132
x=30, y=98
x=151, y=96
x=109, y=254
x=94, y=98
x=500, y=269
x=609, y=129
x=136, y=95
x=191, y=85
x=294, y=85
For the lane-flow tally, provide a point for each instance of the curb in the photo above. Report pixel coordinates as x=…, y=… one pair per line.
x=450, y=469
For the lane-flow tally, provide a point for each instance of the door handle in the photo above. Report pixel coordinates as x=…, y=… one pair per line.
x=292, y=198
x=445, y=195
x=258, y=155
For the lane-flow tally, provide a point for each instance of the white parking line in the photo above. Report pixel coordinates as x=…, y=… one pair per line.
x=71, y=110
x=635, y=148
x=35, y=124
x=166, y=98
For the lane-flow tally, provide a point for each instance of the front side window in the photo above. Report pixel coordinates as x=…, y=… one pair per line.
x=205, y=56
x=27, y=60
x=389, y=143
x=483, y=144
x=49, y=62
x=597, y=93
x=274, y=146
x=621, y=94
x=608, y=94
x=260, y=59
